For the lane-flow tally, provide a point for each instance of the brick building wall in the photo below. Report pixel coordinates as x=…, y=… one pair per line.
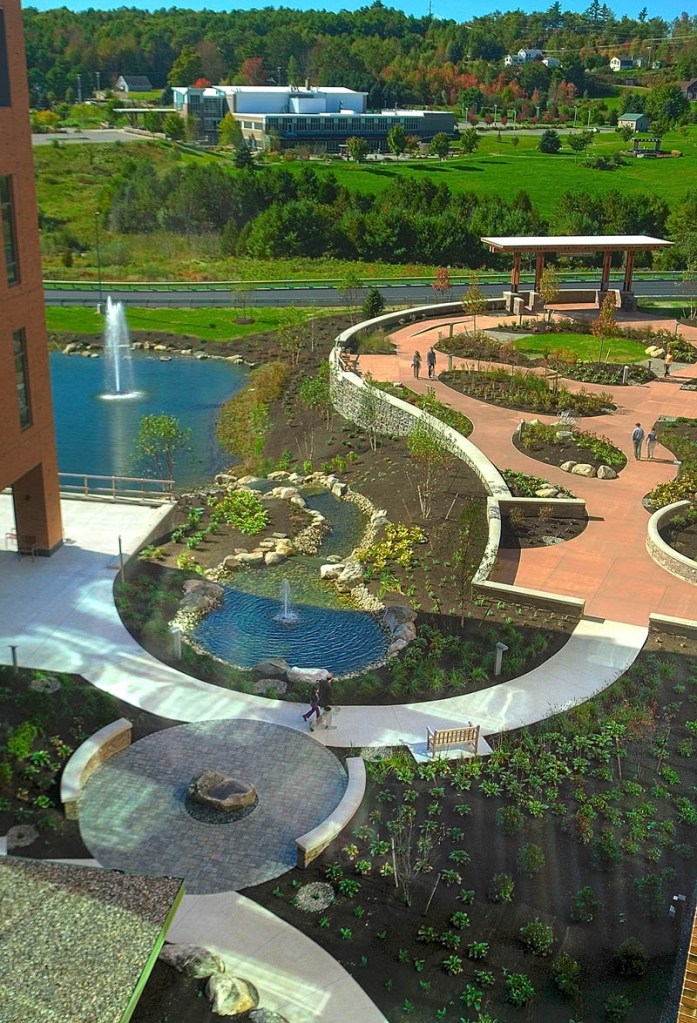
x=28, y=461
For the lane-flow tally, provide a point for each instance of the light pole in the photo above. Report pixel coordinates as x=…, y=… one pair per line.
x=495, y=109
x=99, y=260
x=575, y=115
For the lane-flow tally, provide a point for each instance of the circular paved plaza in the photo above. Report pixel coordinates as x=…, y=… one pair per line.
x=133, y=817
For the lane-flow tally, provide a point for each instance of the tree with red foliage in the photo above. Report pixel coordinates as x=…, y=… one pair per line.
x=253, y=71
x=202, y=83
x=442, y=285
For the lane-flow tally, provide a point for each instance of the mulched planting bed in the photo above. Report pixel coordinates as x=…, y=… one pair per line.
x=526, y=392
x=679, y=436
x=593, y=834
x=40, y=726
x=561, y=451
x=539, y=531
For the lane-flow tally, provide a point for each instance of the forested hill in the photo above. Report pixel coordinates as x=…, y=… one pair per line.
x=396, y=58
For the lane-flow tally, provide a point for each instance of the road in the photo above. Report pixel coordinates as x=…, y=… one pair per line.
x=399, y=294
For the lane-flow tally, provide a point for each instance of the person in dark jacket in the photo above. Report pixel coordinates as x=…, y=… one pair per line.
x=326, y=699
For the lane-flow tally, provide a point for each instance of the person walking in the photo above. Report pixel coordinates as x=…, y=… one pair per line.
x=668, y=359
x=314, y=708
x=431, y=361
x=637, y=439
x=651, y=438
x=416, y=364
x=326, y=700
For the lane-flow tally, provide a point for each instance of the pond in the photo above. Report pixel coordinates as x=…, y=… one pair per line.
x=95, y=435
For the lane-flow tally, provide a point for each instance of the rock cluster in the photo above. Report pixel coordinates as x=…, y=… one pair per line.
x=228, y=995
x=603, y=472
x=399, y=621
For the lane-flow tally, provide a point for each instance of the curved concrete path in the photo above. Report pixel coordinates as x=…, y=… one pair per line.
x=608, y=564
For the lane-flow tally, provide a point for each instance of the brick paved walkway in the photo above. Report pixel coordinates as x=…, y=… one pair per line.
x=132, y=814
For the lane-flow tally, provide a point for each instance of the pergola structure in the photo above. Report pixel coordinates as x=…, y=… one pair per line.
x=575, y=245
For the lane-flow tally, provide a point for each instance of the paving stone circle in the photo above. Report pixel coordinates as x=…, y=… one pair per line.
x=133, y=815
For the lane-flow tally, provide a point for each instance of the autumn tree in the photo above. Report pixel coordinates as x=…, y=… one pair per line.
x=350, y=287
x=549, y=287
x=443, y=284
x=474, y=301
x=186, y=68
x=253, y=72
x=604, y=326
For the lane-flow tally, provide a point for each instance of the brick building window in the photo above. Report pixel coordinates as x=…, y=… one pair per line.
x=4, y=68
x=9, y=232
x=19, y=344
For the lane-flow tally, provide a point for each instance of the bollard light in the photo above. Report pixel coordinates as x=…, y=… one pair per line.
x=176, y=640
x=498, y=659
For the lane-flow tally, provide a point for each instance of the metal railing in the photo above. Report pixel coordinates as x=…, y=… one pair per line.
x=115, y=487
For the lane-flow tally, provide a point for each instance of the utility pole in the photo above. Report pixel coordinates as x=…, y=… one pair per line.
x=79, y=88
x=495, y=109
x=98, y=75
x=575, y=115
x=589, y=118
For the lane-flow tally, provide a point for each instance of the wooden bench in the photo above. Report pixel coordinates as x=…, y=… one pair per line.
x=440, y=739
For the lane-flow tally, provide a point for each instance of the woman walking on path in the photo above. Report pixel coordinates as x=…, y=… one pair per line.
x=651, y=438
x=416, y=364
x=326, y=700
x=314, y=708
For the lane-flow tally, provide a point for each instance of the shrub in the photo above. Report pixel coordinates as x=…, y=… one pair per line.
x=584, y=905
x=5, y=773
x=536, y=937
x=501, y=888
x=566, y=974
x=243, y=510
x=616, y=1008
x=631, y=959
x=531, y=859
x=519, y=990
x=21, y=740
x=188, y=563
x=510, y=818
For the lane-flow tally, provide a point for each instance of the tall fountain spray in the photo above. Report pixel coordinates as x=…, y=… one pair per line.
x=286, y=615
x=117, y=350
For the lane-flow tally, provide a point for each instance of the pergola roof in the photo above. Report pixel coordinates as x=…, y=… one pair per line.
x=577, y=244
x=78, y=943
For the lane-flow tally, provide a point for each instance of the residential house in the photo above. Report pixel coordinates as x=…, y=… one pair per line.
x=637, y=122
x=622, y=63
x=689, y=89
x=551, y=62
x=132, y=83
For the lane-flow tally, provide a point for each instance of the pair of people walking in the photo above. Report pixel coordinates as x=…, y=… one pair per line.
x=430, y=362
x=321, y=704
x=638, y=439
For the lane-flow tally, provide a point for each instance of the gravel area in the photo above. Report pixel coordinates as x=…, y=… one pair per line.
x=74, y=941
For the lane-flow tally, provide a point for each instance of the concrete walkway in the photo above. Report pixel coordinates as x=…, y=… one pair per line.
x=608, y=564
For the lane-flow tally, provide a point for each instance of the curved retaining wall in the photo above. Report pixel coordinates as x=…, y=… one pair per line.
x=664, y=555
x=371, y=408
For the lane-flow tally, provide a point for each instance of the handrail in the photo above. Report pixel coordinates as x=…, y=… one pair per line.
x=90, y=485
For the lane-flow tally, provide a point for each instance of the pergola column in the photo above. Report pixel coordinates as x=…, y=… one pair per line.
x=515, y=273
x=605, y=276
x=628, y=271
x=539, y=270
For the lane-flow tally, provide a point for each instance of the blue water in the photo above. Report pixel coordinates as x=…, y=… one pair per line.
x=96, y=436
x=243, y=631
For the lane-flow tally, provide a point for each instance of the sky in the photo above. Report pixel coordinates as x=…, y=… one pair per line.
x=441, y=8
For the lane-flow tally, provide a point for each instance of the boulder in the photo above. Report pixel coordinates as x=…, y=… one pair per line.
x=231, y=562
x=186, y=351
x=165, y=358
x=379, y=519
x=272, y=666
x=273, y=558
x=202, y=595
x=298, y=501
x=252, y=558
x=246, y=480
x=285, y=547
x=605, y=472
x=546, y=492
x=396, y=615
x=279, y=536
x=351, y=575
x=307, y=676
x=160, y=348
x=221, y=792
x=339, y=489
x=331, y=571
x=286, y=493
x=71, y=348
x=201, y=355
x=406, y=631
x=583, y=469
x=266, y=1016
x=192, y=960
x=295, y=478
x=567, y=466
x=279, y=474
x=231, y=996
x=396, y=646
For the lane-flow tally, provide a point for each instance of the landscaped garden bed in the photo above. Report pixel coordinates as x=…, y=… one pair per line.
x=557, y=444
x=522, y=484
x=540, y=876
x=679, y=436
x=520, y=531
x=528, y=392
x=681, y=532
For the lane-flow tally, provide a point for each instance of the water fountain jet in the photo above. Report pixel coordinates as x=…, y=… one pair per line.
x=117, y=348
x=286, y=616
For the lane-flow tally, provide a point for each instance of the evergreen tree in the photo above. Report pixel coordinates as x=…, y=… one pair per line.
x=549, y=142
x=374, y=304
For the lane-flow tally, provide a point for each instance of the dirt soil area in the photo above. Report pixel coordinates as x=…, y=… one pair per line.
x=539, y=531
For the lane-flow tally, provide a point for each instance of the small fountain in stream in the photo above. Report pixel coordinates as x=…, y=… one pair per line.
x=117, y=351
x=287, y=616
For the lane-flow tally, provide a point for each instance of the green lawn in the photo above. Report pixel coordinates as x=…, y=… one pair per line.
x=211, y=324
x=585, y=346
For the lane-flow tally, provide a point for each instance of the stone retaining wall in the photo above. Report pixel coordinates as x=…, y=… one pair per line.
x=664, y=555
x=371, y=408
x=89, y=755
x=310, y=845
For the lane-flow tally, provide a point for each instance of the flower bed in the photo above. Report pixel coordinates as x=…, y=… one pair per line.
x=428, y=403
x=556, y=444
x=528, y=392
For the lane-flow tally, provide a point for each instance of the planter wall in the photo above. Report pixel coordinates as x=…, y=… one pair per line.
x=664, y=555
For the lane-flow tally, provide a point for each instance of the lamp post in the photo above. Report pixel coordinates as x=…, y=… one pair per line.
x=575, y=115
x=99, y=260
